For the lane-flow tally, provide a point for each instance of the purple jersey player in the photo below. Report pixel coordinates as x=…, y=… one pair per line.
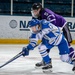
x=44, y=13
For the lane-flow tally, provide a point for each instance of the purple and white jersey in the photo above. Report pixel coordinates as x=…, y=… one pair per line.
x=52, y=17
x=51, y=33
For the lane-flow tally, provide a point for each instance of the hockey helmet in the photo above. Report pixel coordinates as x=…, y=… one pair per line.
x=33, y=22
x=36, y=6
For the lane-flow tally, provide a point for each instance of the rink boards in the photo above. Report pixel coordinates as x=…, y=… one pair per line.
x=14, y=29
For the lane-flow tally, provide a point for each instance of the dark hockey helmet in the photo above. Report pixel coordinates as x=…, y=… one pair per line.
x=36, y=6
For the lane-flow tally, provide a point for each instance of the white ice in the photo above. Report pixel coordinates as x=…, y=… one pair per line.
x=26, y=65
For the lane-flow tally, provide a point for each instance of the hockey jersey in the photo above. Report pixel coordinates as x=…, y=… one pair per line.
x=54, y=18
x=49, y=32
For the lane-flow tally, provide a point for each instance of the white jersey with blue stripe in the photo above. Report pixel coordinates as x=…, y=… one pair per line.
x=50, y=32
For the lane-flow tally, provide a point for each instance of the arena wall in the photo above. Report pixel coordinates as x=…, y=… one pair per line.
x=14, y=29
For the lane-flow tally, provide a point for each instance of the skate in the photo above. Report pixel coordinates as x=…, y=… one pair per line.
x=40, y=64
x=47, y=68
x=73, y=69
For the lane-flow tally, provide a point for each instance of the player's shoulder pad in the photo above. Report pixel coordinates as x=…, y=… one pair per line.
x=44, y=24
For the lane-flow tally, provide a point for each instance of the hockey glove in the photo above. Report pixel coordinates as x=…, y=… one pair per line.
x=25, y=51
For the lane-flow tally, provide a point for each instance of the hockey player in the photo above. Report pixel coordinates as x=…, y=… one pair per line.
x=51, y=36
x=44, y=13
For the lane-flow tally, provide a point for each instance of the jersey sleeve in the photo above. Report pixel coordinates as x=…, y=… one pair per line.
x=33, y=41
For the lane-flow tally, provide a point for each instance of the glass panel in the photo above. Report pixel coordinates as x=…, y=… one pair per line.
x=61, y=7
x=5, y=7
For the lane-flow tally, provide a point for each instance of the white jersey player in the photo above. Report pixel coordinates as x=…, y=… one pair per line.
x=51, y=36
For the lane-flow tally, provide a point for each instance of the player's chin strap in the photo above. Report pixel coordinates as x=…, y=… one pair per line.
x=12, y=59
x=37, y=28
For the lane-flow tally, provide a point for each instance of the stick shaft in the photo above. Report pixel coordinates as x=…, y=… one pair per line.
x=12, y=59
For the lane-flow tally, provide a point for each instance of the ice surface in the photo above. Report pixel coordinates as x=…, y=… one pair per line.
x=26, y=65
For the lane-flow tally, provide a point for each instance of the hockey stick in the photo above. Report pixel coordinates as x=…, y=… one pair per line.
x=12, y=59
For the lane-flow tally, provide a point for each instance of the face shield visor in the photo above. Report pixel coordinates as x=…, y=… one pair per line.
x=34, y=13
